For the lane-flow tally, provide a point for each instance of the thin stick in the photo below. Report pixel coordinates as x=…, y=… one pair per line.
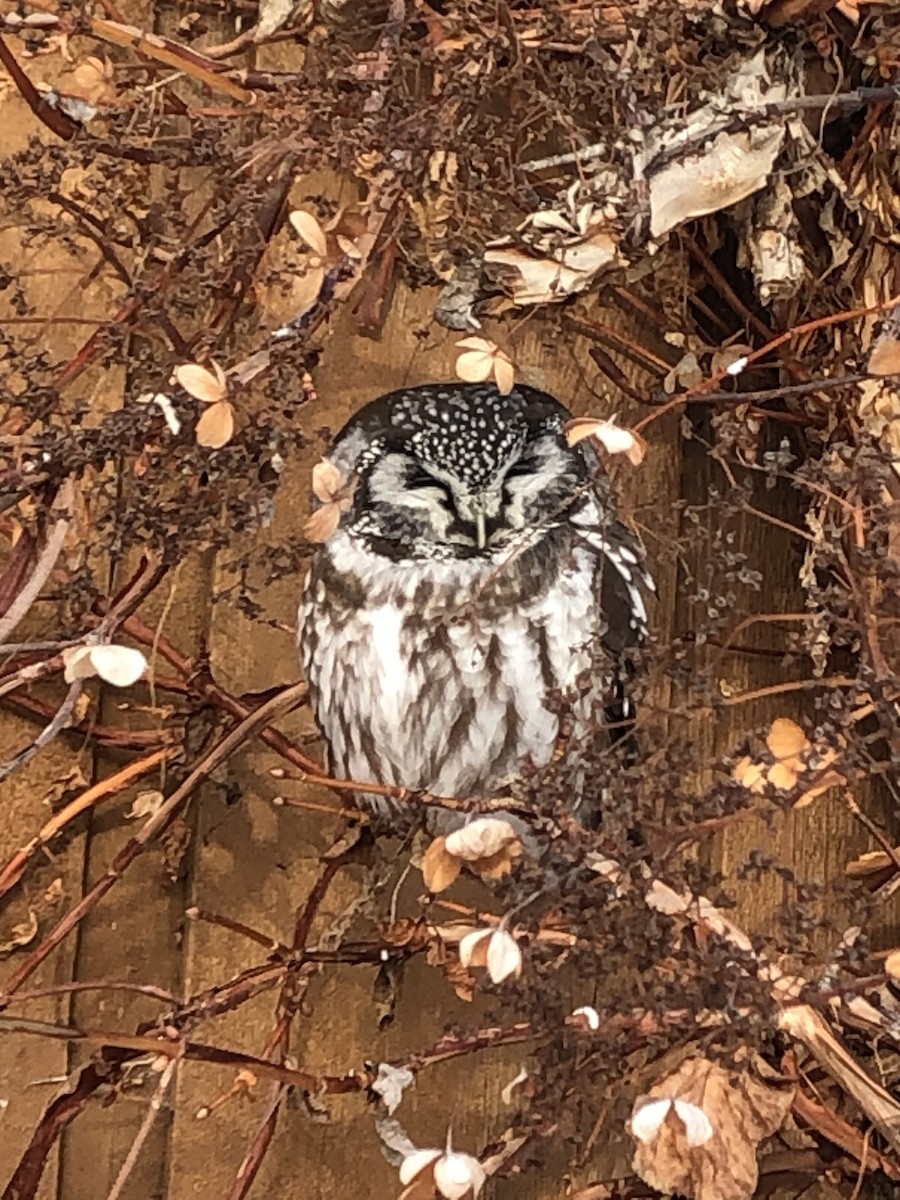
x=13, y=870
x=153, y=1108
x=42, y=568
x=61, y=719
x=707, y=385
x=156, y=825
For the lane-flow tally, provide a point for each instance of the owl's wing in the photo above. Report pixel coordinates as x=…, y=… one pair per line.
x=623, y=582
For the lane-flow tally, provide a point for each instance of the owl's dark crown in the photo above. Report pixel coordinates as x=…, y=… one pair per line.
x=455, y=470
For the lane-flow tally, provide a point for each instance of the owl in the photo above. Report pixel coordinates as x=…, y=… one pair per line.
x=477, y=575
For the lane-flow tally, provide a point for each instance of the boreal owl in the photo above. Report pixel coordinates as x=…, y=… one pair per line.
x=476, y=574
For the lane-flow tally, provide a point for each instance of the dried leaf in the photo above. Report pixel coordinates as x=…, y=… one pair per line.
x=327, y=481
x=439, y=868
x=321, y=524
x=335, y=492
x=216, y=426
x=309, y=229
x=145, y=804
x=457, y=1175
x=119, y=665
x=615, y=439
x=504, y=373
x=208, y=386
x=885, y=356
x=475, y=366
x=698, y=1130
x=473, y=948
x=481, y=838
x=792, y=750
x=390, y=1084
x=414, y=1164
x=504, y=958
x=20, y=935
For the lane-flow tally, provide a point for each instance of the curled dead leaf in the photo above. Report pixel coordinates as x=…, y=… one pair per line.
x=440, y=869
x=119, y=665
x=335, y=494
x=795, y=757
x=216, y=425
x=210, y=386
x=885, y=356
x=309, y=229
x=483, y=359
x=615, y=439
x=697, y=1130
x=20, y=935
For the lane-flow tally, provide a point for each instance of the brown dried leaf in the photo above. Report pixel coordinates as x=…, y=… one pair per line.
x=482, y=838
x=614, y=439
x=439, y=868
x=792, y=749
x=309, y=229
x=321, y=524
x=712, y=1158
x=504, y=373
x=497, y=865
x=885, y=356
x=216, y=426
x=209, y=386
x=336, y=495
x=327, y=481
x=20, y=935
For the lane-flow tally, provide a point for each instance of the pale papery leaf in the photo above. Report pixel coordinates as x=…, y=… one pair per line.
x=457, y=1175
x=498, y=865
x=647, y=1119
x=615, y=439
x=504, y=958
x=324, y=522
x=892, y=964
x=327, y=480
x=216, y=426
x=481, y=838
x=439, y=868
x=119, y=665
x=349, y=248
x=414, y=1164
x=78, y=664
x=885, y=356
x=548, y=219
x=475, y=366
x=504, y=373
x=309, y=229
x=477, y=343
x=590, y=1015
x=208, y=386
x=473, y=948
x=506, y=1095
x=787, y=741
x=306, y=288
x=698, y=1128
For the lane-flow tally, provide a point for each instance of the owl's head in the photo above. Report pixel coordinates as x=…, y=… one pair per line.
x=455, y=470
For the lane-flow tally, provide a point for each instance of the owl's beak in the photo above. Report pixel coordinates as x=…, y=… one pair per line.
x=480, y=530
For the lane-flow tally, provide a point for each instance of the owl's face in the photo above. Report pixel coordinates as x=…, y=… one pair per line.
x=457, y=470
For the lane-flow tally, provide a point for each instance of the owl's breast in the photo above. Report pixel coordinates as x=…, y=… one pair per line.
x=421, y=678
